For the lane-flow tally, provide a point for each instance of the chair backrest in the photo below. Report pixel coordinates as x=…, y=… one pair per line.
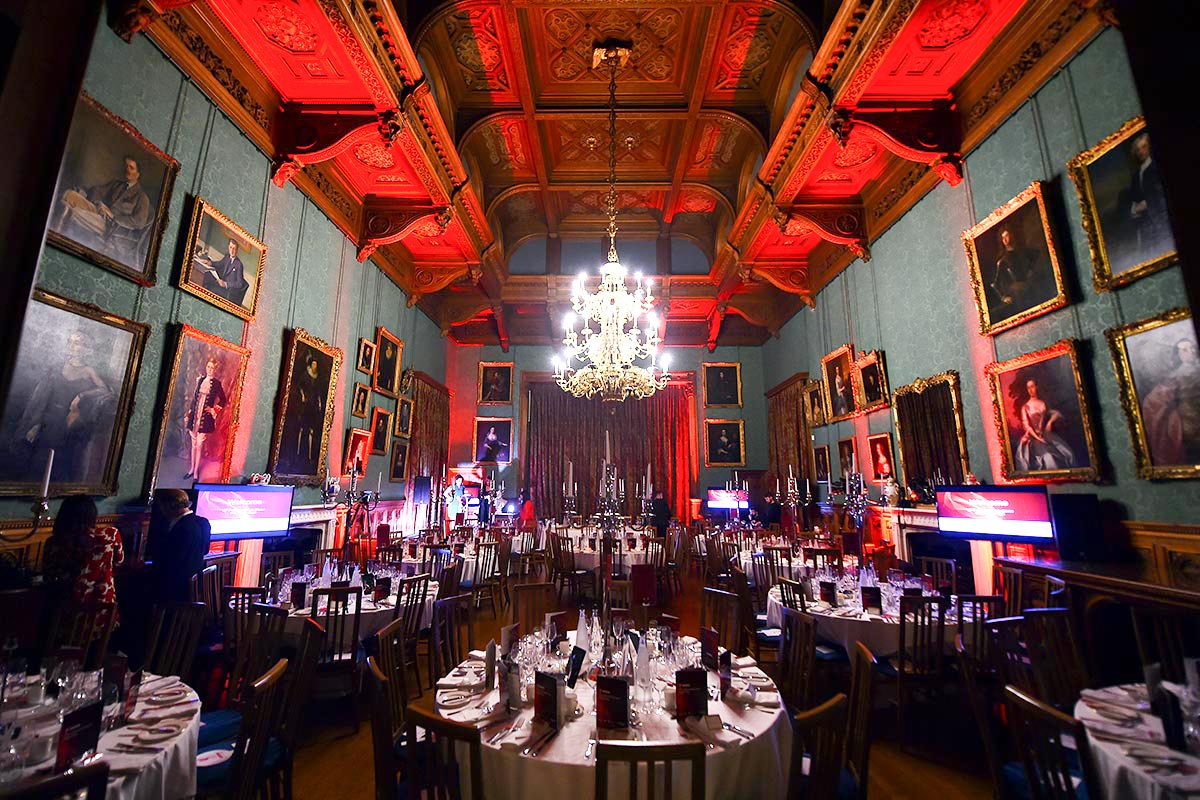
x=1038, y=731
x=92, y=779
x=434, y=558
x=485, y=563
x=1007, y=649
x=656, y=552
x=943, y=571
x=437, y=774
x=922, y=636
x=530, y=604
x=260, y=721
x=797, y=658
x=238, y=599
x=659, y=761
x=858, y=722
x=1054, y=656
x=645, y=587
x=620, y=594
x=451, y=581
x=341, y=617
x=1007, y=582
x=792, y=594
x=205, y=587
x=410, y=604
x=980, y=699
x=1166, y=637
x=390, y=554
x=1056, y=592
x=271, y=563
x=298, y=682
x=973, y=611
x=385, y=737
x=172, y=637
x=226, y=564
x=264, y=636
x=86, y=627
x=450, y=637
x=719, y=609
x=821, y=734
x=824, y=557
x=392, y=646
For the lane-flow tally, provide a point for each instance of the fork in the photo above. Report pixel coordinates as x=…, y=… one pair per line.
x=739, y=731
x=588, y=752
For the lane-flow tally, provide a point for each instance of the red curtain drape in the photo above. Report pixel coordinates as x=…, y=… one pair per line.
x=660, y=430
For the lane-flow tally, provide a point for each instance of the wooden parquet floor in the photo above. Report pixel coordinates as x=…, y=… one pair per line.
x=335, y=762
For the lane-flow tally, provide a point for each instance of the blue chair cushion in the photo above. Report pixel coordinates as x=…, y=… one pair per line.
x=763, y=636
x=1016, y=782
x=829, y=651
x=217, y=726
x=216, y=776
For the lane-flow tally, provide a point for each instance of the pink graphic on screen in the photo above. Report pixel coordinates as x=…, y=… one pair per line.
x=728, y=498
x=995, y=513
x=245, y=510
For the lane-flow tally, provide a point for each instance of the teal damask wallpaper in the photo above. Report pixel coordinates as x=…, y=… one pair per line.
x=913, y=300
x=312, y=279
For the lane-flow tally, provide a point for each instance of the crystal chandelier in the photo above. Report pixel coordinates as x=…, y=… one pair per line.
x=609, y=342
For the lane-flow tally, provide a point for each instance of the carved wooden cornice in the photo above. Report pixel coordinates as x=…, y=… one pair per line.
x=386, y=220
x=303, y=136
x=928, y=133
x=840, y=223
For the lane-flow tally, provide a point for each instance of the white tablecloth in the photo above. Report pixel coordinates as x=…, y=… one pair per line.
x=756, y=768
x=373, y=618
x=1122, y=776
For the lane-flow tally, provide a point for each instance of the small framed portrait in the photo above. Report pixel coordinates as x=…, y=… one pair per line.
x=493, y=440
x=839, y=384
x=404, y=408
x=879, y=448
x=199, y=420
x=821, y=457
x=222, y=262
x=724, y=443
x=360, y=403
x=366, y=357
x=1158, y=370
x=495, y=383
x=357, y=452
x=870, y=382
x=722, y=384
x=389, y=351
x=814, y=403
x=1014, y=263
x=114, y=187
x=848, y=455
x=381, y=431
x=1042, y=418
x=1123, y=207
x=72, y=390
x=399, y=471
x=304, y=409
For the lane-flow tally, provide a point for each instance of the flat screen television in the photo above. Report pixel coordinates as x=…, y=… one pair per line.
x=728, y=498
x=245, y=511
x=996, y=513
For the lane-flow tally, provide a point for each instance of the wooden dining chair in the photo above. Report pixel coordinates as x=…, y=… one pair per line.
x=263, y=640
x=172, y=636
x=974, y=610
x=820, y=734
x=530, y=604
x=1054, y=656
x=438, y=773
x=943, y=571
x=1007, y=581
x=390, y=554
x=570, y=576
x=270, y=563
x=261, y=713
x=1049, y=742
x=1010, y=663
x=89, y=783
x=411, y=596
x=486, y=580
x=434, y=558
x=797, y=659
x=1056, y=592
x=226, y=564
x=390, y=658
x=205, y=587
x=980, y=694
x=657, y=762
x=720, y=609
x=450, y=634
x=791, y=593
x=339, y=612
x=237, y=600
x=451, y=582
x=1167, y=637
x=386, y=738
x=825, y=557
x=86, y=627
x=858, y=721
x=297, y=686
x=919, y=662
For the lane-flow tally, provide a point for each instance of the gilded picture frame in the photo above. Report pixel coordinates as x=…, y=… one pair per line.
x=821, y=462
x=879, y=455
x=193, y=349
x=87, y=427
x=1153, y=387
x=1104, y=178
x=403, y=420
x=381, y=430
x=357, y=453
x=389, y=355
x=301, y=404
x=210, y=234
x=488, y=450
x=495, y=385
x=1066, y=433
x=1026, y=278
x=717, y=451
x=869, y=377
x=848, y=455
x=365, y=361
x=98, y=142
x=360, y=401
x=398, y=472
x=950, y=379
x=721, y=384
x=836, y=368
x=814, y=403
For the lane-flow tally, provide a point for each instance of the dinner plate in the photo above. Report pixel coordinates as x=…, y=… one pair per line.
x=1115, y=714
x=211, y=758
x=454, y=701
x=166, y=698
x=157, y=734
x=1155, y=758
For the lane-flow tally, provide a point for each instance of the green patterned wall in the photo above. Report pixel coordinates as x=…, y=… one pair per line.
x=913, y=299
x=312, y=279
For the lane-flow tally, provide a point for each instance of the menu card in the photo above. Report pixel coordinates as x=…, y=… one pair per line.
x=708, y=647
x=725, y=671
x=549, y=695
x=509, y=635
x=80, y=735
x=559, y=621
x=574, y=665
x=872, y=600
x=131, y=695
x=912, y=591
x=829, y=593
x=612, y=703
x=299, y=594
x=383, y=588
x=691, y=693
x=489, y=666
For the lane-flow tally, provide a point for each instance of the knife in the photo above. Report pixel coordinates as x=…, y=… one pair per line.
x=538, y=743
x=739, y=731
x=542, y=744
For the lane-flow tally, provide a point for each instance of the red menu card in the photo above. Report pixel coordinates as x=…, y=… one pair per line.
x=612, y=703
x=691, y=693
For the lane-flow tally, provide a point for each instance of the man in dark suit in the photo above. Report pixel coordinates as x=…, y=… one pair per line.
x=178, y=541
x=1148, y=204
x=226, y=278
x=660, y=514
x=772, y=511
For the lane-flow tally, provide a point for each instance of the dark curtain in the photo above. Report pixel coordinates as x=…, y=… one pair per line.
x=789, y=440
x=429, y=445
x=660, y=430
x=928, y=430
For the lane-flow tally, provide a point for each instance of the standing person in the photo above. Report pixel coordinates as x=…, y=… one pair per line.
x=457, y=507
x=485, y=503
x=660, y=514
x=82, y=556
x=772, y=512
x=527, y=519
x=178, y=544
x=208, y=398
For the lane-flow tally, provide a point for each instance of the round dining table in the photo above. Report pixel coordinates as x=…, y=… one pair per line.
x=752, y=764
x=1127, y=746
x=374, y=616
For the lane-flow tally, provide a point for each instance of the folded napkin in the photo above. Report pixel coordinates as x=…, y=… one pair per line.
x=762, y=699
x=772, y=631
x=699, y=728
x=525, y=733
x=469, y=681
x=1112, y=730
x=476, y=655
x=1115, y=697
x=742, y=662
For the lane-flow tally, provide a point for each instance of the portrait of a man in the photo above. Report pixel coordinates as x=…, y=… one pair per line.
x=848, y=456
x=224, y=263
x=366, y=356
x=389, y=351
x=495, y=383
x=724, y=443
x=381, y=429
x=303, y=417
x=72, y=384
x=493, y=440
x=1158, y=365
x=403, y=417
x=821, y=456
x=870, y=382
x=200, y=414
x=361, y=401
x=113, y=190
x=722, y=384
x=399, y=468
x=1014, y=265
x=1121, y=194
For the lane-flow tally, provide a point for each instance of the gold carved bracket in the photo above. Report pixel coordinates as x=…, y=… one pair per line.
x=130, y=17
x=305, y=137
x=388, y=220
x=927, y=133
x=840, y=223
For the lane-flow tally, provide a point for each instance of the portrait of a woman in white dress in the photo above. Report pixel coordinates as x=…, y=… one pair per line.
x=1039, y=447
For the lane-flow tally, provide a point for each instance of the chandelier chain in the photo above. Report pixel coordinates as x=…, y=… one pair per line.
x=610, y=200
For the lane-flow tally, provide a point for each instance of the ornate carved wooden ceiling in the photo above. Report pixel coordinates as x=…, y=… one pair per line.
x=442, y=140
